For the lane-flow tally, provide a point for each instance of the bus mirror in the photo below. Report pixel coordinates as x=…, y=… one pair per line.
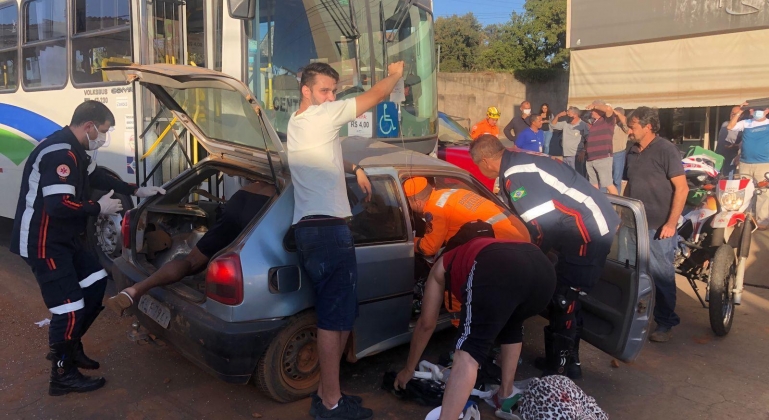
x=242, y=9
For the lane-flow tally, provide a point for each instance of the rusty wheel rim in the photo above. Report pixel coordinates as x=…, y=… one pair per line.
x=300, y=364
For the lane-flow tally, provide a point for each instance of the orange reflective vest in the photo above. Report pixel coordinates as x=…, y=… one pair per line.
x=447, y=210
x=482, y=128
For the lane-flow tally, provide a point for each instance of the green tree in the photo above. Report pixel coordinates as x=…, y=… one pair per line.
x=532, y=40
x=460, y=38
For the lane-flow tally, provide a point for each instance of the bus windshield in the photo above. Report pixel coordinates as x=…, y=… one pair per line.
x=358, y=38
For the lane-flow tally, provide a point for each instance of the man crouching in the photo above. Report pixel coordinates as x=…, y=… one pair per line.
x=499, y=284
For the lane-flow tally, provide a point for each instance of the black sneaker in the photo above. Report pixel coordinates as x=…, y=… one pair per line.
x=317, y=401
x=347, y=409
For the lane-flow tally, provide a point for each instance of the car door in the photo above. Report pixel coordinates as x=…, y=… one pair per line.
x=617, y=312
x=385, y=259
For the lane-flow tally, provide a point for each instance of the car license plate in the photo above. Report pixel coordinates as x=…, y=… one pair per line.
x=155, y=310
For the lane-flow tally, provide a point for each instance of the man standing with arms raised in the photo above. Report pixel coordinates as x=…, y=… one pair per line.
x=321, y=209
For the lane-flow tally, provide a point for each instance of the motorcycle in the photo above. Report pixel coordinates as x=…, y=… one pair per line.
x=715, y=237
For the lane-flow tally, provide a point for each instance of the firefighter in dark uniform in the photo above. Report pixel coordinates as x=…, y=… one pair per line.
x=566, y=216
x=51, y=215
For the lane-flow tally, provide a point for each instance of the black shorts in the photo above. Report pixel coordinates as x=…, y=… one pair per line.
x=509, y=283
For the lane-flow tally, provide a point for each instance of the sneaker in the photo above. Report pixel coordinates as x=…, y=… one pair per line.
x=317, y=401
x=347, y=409
x=661, y=334
x=506, y=406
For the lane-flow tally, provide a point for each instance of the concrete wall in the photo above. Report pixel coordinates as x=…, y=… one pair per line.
x=467, y=95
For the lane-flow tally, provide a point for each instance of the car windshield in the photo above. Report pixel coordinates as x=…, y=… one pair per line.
x=449, y=131
x=223, y=115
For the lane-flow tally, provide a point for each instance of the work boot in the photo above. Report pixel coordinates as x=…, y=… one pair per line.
x=661, y=334
x=81, y=360
x=559, y=355
x=574, y=368
x=65, y=377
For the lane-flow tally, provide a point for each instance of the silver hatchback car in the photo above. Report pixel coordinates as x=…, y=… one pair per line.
x=250, y=314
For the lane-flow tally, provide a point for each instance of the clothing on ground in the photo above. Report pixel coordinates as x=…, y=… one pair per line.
x=557, y=397
x=600, y=140
x=648, y=173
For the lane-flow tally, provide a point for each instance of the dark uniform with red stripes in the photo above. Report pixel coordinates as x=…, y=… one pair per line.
x=568, y=216
x=51, y=215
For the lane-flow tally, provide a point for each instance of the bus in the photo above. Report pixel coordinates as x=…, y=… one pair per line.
x=52, y=53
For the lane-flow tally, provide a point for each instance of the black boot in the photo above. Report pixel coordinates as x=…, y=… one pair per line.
x=542, y=363
x=559, y=355
x=574, y=368
x=65, y=377
x=81, y=360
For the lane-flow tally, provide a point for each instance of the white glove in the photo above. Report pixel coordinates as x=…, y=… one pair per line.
x=109, y=205
x=145, y=192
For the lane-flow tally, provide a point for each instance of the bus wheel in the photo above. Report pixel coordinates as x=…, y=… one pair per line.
x=103, y=232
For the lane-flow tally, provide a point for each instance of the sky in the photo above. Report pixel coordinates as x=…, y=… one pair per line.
x=487, y=11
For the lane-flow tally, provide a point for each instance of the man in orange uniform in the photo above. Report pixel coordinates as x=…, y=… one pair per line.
x=445, y=211
x=487, y=126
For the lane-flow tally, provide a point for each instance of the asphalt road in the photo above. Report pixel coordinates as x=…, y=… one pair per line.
x=695, y=376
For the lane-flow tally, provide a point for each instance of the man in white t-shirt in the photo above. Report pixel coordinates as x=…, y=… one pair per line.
x=754, y=154
x=321, y=211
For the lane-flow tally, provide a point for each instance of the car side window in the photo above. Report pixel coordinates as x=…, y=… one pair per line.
x=624, y=249
x=380, y=219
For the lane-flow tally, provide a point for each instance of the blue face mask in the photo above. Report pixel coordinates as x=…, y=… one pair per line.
x=758, y=115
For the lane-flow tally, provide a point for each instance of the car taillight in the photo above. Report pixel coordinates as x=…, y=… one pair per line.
x=224, y=280
x=125, y=229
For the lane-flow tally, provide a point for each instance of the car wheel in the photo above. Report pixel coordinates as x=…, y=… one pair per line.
x=290, y=368
x=103, y=232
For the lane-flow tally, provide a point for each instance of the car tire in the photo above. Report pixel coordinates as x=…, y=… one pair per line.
x=289, y=369
x=107, y=227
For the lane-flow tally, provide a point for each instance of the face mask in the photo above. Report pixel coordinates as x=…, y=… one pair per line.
x=98, y=142
x=758, y=115
x=527, y=112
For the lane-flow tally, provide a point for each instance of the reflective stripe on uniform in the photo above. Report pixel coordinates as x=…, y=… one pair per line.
x=93, y=278
x=444, y=198
x=540, y=210
x=559, y=186
x=67, y=307
x=34, y=183
x=58, y=189
x=498, y=218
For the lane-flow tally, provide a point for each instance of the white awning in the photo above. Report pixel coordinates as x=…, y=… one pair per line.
x=715, y=70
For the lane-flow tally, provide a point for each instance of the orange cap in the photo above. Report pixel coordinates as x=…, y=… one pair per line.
x=414, y=186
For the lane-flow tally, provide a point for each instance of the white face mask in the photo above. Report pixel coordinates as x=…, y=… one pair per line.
x=527, y=111
x=758, y=115
x=100, y=140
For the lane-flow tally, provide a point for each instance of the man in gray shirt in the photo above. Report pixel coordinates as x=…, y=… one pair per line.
x=573, y=131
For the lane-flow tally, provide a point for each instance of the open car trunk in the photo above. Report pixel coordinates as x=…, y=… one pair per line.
x=170, y=226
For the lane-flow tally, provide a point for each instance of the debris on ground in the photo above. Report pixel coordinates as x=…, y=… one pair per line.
x=43, y=323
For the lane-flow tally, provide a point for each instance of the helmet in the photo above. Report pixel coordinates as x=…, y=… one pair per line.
x=493, y=112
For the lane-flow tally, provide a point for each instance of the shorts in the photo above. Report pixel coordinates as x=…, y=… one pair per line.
x=327, y=253
x=509, y=283
x=599, y=172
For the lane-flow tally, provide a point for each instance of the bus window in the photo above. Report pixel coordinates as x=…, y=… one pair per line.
x=9, y=41
x=45, y=44
x=102, y=37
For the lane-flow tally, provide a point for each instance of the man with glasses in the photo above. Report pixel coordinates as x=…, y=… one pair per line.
x=51, y=214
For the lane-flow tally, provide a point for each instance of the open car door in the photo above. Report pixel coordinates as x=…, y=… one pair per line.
x=618, y=310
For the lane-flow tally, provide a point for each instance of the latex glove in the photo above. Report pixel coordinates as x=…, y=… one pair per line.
x=109, y=205
x=145, y=192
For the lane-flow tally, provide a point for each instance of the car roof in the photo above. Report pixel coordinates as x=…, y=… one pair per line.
x=371, y=152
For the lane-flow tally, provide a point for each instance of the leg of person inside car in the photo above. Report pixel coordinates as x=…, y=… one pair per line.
x=242, y=207
x=500, y=284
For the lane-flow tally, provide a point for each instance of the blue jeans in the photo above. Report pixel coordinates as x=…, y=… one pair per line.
x=327, y=254
x=663, y=273
x=618, y=167
x=548, y=136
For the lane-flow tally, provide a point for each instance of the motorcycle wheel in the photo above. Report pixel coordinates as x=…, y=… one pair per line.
x=721, y=297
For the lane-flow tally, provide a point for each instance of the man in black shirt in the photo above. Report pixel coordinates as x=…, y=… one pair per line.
x=519, y=123
x=656, y=176
x=242, y=207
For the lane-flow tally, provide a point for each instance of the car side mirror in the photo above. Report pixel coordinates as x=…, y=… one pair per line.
x=242, y=9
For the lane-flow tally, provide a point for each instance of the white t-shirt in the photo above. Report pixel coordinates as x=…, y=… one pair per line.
x=751, y=123
x=315, y=159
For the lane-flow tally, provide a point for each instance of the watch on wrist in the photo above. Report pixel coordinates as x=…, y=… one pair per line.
x=355, y=170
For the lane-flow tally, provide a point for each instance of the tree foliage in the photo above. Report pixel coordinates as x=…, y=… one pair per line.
x=530, y=41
